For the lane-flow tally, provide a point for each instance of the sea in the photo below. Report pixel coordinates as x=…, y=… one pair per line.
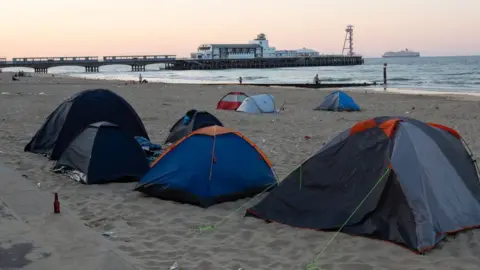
x=440, y=74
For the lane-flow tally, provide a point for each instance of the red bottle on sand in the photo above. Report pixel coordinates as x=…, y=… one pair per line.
x=56, y=204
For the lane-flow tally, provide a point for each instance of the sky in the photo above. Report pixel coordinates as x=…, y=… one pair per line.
x=51, y=28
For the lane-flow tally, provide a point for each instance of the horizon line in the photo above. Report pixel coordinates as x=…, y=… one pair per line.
x=368, y=56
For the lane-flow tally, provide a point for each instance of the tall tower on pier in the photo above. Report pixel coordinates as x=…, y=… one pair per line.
x=349, y=40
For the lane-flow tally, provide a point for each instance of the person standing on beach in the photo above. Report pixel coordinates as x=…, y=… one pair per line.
x=140, y=78
x=240, y=80
x=316, y=80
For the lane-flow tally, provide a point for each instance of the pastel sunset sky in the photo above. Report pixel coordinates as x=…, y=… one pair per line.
x=124, y=27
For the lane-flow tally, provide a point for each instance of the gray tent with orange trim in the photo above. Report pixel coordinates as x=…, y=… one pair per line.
x=391, y=178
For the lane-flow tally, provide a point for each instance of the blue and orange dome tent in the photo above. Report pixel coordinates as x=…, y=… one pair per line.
x=211, y=165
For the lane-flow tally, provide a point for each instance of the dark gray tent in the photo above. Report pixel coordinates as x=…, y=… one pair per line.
x=391, y=178
x=103, y=153
x=338, y=101
x=198, y=120
x=79, y=111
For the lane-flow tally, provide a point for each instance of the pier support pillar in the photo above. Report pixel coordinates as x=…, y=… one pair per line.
x=138, y=67
x=40, y=70
x=91, y=69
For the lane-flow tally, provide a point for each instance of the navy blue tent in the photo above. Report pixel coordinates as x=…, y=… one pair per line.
x=338, y=101
x=79, y=111
x=103, y=153
x=198, y=120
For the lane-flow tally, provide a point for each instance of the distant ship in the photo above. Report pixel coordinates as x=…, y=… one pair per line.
x=404, y=53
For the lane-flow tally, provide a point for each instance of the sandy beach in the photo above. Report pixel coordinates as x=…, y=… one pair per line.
x=156, y=233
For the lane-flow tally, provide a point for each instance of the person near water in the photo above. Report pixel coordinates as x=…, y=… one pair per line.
x=140, y=78
x=240, y=80
x=316, y=79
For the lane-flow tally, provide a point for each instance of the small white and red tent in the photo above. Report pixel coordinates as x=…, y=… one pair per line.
x=231, y=101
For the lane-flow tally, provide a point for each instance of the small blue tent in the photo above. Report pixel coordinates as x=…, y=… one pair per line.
x=338, y=101
x=211, y=165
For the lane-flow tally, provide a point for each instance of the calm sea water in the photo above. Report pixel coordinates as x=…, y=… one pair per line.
x=425, y=73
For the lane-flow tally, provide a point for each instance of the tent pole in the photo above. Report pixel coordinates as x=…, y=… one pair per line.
x=471, y=156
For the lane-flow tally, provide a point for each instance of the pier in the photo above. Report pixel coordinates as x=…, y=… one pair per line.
x=139, y=62
x=90, y=63
x=205, y=64
x=255, y=54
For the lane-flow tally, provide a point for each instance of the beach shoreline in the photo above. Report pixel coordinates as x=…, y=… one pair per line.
x=444, y=74
x=463, y=95
x=156, y=233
